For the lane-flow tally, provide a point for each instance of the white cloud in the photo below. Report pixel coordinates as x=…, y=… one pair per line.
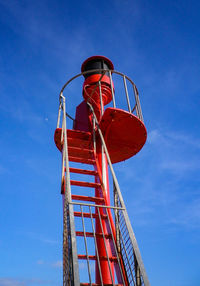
x=175, y=151
x=7, y=281
x=41, y=238
x=57, y=264
x=180, y=166
x=11, y=282
x=22, y=111
x=188, y=214
x=40, y=262
x=84, y=266
x=161, y=188
x=3, y=170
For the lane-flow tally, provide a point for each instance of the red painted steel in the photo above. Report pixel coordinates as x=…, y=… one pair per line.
x=75, y=138
x=88, y=199
x=91, y=234
x=93, y=257
x=106, y=276
x=81, y=160
x=95, y=284
x=78, y=214
x=85, y=184
x=124, y=135
x=91, y=91
x=83, y=171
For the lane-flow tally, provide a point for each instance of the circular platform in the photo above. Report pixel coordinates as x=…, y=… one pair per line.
x=124, y=134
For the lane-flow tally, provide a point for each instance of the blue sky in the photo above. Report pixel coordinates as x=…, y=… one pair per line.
x=43, y=44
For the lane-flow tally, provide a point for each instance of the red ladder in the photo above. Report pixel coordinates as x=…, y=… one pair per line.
x=81, y=151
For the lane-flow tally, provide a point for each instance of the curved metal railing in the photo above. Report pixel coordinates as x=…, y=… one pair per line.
x=134, y=108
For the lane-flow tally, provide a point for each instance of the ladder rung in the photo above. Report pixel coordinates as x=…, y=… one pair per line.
x=94, y=284
x=79, y=214
x=90, y=234
x=82, y=160
x=93, y=257
x=82, y=171
x=81, y=152
x=88, y=199
x=75, y=138
x=85, y=184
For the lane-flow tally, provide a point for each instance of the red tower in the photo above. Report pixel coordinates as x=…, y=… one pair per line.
x=96, y=222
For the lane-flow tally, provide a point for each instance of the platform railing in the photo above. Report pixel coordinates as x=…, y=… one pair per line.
x=131, y=94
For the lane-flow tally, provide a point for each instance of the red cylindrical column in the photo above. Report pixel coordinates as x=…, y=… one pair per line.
x=100, y=241
x=91, y=88
x=91, y=93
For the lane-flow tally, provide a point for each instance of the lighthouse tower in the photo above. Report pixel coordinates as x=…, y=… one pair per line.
x=99, y=245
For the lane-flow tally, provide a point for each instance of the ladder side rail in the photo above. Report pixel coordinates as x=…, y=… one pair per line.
x=75, y=269
x=86, y=247
x=96, y=248
x=127, y=220
x=116, y=212
x=66, y=236
x=117, y=231
x=119, y=277
x=127, y=259
x=104, y=240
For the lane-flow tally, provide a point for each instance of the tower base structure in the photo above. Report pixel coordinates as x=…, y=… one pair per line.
x=99, y=245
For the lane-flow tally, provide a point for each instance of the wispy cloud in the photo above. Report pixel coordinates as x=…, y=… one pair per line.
x=84, y=266
x=11, y=282
x=7, y=281
x=22, y=111
x=188, y=215
x=47, y=29
x=41, y=238
x=57, y=264
x=165, y=181
x=40, y=262
x=180, y=166
x=3, y=170
x=176, y=152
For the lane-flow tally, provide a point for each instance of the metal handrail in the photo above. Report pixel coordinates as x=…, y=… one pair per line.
x=127, y=220
x=75, y=281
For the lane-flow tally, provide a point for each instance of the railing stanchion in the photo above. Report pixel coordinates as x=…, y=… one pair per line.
x=126, y=90
x=111, y=84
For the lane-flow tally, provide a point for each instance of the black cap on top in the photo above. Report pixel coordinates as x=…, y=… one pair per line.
x=96, y=62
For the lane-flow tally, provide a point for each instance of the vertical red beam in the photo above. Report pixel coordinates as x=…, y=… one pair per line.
x=83, y=123
x=91, y=93
x=105, y=270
